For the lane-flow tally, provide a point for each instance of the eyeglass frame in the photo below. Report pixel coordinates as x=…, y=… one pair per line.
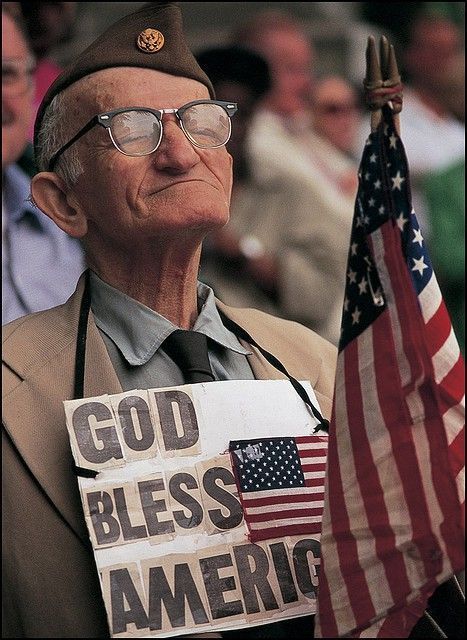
x=105, y=120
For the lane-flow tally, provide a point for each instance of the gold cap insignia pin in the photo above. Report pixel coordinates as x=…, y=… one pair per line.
x=150, y=40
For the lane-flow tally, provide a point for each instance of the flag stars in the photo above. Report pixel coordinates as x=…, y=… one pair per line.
x=346, y=304
x=362, y=285
x=393, y=141
x=371, y=202
x=419, y=265
x=373, y=157
x=377, y=184
x=418, y=237
x=356, y=316
x=353, y=248
x=381, y=210
x=367, y=176
x=352, y=276
x=397, y=181
x=401, y=221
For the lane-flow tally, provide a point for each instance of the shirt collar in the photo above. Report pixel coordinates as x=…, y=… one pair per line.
x=17, y=189
x=138, y=331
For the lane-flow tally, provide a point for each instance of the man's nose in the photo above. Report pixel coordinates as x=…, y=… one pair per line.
x=175, y=154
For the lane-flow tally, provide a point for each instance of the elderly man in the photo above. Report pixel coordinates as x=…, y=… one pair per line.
x=130, y=143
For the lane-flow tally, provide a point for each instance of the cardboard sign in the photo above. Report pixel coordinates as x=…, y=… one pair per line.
x=165, y=515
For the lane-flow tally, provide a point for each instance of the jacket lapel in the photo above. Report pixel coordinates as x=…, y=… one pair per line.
x=261, y=367
x=33, y=411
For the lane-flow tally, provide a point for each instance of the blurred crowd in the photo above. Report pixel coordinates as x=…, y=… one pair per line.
x=297, y=139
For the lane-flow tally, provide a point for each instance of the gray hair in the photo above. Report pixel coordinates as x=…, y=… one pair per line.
x=53, y=134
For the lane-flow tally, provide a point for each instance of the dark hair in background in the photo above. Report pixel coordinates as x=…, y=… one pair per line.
x=13, y=10
x=236, y=64
x=49, y=24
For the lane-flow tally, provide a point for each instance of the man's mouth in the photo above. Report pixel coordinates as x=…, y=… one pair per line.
x=179, y=182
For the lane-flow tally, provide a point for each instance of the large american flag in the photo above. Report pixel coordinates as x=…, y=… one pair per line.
x=281, y=484
x=393, y=515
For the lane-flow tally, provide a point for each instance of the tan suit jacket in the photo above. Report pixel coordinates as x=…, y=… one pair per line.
x=50, y=584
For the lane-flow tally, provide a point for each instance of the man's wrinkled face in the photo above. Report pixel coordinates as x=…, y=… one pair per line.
x=178, y=188
x=17, y=92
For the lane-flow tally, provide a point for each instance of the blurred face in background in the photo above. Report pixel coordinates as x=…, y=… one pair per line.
x=290, y=57
x=335, y=112
x=17, y=91
x=435, y=43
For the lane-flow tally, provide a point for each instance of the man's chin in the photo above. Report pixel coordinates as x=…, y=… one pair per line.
x=179, y=219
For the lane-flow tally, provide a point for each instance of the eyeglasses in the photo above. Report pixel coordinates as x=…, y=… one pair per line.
x=16, y=76
x=137, y=131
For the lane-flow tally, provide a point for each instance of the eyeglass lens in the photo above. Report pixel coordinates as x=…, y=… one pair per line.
x=138, y=133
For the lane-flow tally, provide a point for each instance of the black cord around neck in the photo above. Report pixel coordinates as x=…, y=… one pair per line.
x=80, y=354
x=236, y=329
x=240, y=332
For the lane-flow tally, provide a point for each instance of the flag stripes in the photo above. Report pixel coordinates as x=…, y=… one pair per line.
x=294, y=469
x=392, y=523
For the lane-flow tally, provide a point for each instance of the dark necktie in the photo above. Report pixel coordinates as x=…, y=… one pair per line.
x=189, y=350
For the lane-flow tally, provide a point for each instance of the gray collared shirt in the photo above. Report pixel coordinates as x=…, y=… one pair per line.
x=133, y=335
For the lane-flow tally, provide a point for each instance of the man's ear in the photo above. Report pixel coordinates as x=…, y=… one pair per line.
x=52, y=196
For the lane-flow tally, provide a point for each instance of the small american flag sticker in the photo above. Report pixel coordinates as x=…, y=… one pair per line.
x=281, y=484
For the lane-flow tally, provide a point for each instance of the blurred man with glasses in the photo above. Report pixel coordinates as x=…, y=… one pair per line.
x=130, y=143
x=40, y=263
